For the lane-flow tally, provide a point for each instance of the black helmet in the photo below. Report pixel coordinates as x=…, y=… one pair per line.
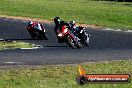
x=72, y=23
x=57, y=20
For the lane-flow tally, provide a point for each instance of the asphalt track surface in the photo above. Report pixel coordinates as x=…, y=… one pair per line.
x=105, y=45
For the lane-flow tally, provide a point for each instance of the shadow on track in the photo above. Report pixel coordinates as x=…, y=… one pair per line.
x=19, y=39
x=55, y=46
x=26, y=39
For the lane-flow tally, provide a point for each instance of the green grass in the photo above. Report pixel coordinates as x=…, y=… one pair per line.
x=108, y=14
x=13, y=45
x=61, y=76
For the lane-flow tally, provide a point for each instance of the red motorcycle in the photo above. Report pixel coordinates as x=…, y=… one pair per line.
x=66, y=36
x=37, y=30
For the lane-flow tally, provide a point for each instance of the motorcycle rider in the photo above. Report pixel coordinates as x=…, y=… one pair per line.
x=71, y=26
x=74, y=28
x=35, y=25
x=59, y=23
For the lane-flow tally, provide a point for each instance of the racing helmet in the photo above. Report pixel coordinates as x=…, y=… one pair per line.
x=72, y=23
x=57, y=20
x=30, y=23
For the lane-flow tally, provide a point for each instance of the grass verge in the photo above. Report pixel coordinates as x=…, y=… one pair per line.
x=13, y=45
x=100, y=13
x=61, y=76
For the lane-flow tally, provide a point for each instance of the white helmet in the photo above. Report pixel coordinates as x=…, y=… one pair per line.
x=30, y=23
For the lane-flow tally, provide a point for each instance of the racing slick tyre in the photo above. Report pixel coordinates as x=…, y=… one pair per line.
x=70, y=41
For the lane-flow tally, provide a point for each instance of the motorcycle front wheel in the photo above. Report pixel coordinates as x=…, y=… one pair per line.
x=85, y=40
x=45, y=36
x=42, y=35
x=70, y=41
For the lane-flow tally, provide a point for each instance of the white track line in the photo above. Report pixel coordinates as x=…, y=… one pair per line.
x=109, y=29
x=31, y=48
x=128, y=31
x=13, y=62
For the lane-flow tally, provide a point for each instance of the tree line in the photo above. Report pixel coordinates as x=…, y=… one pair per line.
x=116, y=0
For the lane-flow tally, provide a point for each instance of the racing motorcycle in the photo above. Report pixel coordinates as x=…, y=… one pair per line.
x=83, y=36
x=37, y=33
x=66, y=36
